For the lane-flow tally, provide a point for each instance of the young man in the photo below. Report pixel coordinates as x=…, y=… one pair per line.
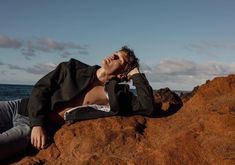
x=74, y=83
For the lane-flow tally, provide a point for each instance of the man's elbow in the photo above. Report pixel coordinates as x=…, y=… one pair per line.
x=149, y=109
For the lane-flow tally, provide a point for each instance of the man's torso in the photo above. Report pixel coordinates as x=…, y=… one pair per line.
x=94, y=94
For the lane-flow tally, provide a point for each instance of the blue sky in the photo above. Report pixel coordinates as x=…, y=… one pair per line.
x=180, y=43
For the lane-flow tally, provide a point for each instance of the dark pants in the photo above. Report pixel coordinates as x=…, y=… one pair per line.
x=14, y=129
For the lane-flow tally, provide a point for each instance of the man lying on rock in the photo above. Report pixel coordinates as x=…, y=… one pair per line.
x=72, y=84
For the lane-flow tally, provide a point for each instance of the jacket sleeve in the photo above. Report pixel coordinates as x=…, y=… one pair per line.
x=40, y=99
x=142, y=103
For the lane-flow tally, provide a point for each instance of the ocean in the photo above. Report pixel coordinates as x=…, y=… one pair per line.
x=12, y=92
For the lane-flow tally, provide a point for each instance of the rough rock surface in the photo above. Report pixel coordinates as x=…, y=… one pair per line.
x=186, y=96
x=167, y=101
x=201, y=132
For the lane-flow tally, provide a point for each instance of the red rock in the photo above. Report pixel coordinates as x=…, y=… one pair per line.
x=201, y=132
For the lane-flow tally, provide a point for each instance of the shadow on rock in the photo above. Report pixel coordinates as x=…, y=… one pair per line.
x=167, y=102
x=29, y=151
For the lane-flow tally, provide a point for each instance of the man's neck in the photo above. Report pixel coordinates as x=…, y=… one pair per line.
x=102, y=77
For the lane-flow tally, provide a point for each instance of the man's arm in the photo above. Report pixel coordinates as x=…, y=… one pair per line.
x=40, y=105
x=40, y=100
x=143, y=103
x=63, y=77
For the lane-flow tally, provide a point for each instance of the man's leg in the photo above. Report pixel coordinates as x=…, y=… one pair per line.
x=7, y=112
x=14, y=129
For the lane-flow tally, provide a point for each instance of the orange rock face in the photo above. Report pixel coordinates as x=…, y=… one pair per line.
x=201, y=132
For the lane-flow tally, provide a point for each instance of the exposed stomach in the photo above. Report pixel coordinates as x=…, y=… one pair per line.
x=94, y=95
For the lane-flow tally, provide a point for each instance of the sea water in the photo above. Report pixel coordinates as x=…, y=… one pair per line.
x=12, y=92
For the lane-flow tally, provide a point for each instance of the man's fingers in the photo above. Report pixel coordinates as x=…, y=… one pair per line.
x=38, y=137
x=34, y=141
x=39, y=143
x=43, y=142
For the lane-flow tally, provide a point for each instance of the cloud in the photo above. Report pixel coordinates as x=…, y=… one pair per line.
x=11, y=66
x=3, y=73
x=209, y=47
x=66, y=54
x=28, y=53
x=38, y=69
x=41, y=69
x=83, y=52
x=180, y=74
x=49, y=45
x=30, y=48
x=1, y=63
x=8, y=42
x=175, y=74
x=145, y=68
x=173, y=67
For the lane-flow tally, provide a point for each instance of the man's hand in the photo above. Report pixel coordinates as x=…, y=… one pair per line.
x=132, y=72
x=38, y=137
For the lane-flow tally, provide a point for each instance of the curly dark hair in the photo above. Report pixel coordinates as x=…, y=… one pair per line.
x=132, y=60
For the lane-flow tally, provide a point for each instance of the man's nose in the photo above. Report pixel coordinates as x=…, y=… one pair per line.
x=112, y=57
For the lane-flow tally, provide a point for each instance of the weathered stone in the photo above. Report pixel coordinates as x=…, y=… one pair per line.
x=201, y=132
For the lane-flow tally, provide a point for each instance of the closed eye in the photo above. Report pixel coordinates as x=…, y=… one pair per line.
x=115, y=56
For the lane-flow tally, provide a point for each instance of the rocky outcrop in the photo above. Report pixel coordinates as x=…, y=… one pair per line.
x=167, y=102
x=186, y=96
x=201, y=132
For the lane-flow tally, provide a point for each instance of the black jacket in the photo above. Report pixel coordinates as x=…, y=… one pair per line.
x=71, y=78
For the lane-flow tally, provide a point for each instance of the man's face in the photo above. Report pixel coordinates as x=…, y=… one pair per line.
x=115, y=63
